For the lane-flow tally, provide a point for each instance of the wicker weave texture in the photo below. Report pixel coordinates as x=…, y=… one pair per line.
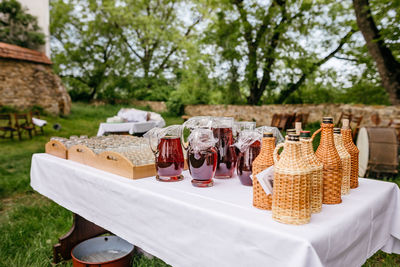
x=353, y=151
x=332, y=171
x=264, y=160
x=291, y=202
x=316, y=174
x=346, y=163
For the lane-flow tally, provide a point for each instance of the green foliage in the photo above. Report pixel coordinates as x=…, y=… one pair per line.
x=18, y=27
x=114, y=50
x=221, y=51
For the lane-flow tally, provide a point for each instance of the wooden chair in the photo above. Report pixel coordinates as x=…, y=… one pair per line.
x=26, y=123
x=343, y=115
x=9, y=124
x=36, y=114
x=301, y=117
x=276, y=119
x=356, y=121
x=286, y=121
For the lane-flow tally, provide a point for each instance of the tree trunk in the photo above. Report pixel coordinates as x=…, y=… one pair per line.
x=388, y=66
x=252, y=79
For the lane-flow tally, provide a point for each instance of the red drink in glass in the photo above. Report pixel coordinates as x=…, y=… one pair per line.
x=245, y=163
x=202, y=166
x=169, y=161
x=226, y=153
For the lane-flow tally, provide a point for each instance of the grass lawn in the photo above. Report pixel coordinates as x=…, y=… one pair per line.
x=30, y=223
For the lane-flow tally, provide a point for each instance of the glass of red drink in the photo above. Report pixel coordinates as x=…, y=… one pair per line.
x=226, y=160
x=248, y=147
x=169, y=159
x=202, y=157
x=245, y=162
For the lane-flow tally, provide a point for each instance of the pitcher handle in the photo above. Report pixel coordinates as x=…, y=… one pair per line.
x=315, y=133
x=184, y=144
x=276, y=155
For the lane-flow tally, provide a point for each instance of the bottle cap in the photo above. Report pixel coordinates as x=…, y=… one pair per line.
x=327, y=120
x=336, y=130
x=293, y=137
x=290, y=131
x=268, y=134
x=305, y=134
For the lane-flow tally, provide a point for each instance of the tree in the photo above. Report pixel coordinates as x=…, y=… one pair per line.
x=153, y=33
x=18, y=27
x=269, y=41
x=386, y=63
x=86, y=53
x=136, y=42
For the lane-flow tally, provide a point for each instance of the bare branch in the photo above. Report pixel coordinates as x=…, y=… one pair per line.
x=347, y=59
x=294, y=86
x=173, y=49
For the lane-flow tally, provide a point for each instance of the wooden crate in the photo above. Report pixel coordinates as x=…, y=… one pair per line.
x=118, y=164
x=109, y=161
x=56, y=148
x=82, y=154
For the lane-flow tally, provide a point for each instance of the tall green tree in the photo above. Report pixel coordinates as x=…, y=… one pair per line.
x=270, y=39
x=19, y=27
x=140, y=42
x=386, y=62
x=86, y=52
x=154, y=33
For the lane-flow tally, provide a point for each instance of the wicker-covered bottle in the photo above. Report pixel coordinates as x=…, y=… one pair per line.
x=328, y=155
x=317, y=170
x=291, y=201
x=353, y=151
x=346, y=160
x=264, y=160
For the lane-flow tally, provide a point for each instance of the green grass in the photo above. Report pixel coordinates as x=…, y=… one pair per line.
x=30, y=223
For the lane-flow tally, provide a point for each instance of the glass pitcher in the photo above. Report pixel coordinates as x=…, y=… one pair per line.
x=202, y=157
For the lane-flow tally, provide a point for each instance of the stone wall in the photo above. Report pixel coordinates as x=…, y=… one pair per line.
x=263, y=114
x=25, y=84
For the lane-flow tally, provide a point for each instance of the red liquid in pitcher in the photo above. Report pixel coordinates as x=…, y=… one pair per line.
x=202, y=166
x=170, y=161
x=245, y=162
x=226, y=153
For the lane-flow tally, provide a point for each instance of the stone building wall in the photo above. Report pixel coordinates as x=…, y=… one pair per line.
x=24, y=84
x=263, y=114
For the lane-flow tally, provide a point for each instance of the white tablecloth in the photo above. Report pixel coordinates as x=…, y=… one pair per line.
x=131, y=127
x=218, y=226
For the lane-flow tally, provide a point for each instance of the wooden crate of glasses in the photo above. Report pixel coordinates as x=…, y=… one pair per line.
x=127, y=156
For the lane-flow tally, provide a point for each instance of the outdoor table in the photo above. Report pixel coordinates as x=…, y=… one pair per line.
x=218, y=226
x=127, y=127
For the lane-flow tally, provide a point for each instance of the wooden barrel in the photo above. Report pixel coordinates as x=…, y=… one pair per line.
x=378, y=150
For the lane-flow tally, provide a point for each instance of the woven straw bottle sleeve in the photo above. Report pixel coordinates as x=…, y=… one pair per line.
x=353, y=151
x=346, y=163
x=332, y=171
x=264, y=160
x=316, y=175
x=291, y=201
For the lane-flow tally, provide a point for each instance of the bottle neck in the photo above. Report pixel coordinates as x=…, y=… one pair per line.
x=327, y=134
x=338, y=139
x=307, y=145
x=346, y=133
x=267, y=143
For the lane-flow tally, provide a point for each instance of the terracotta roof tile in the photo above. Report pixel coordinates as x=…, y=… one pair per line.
x=17, y=52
